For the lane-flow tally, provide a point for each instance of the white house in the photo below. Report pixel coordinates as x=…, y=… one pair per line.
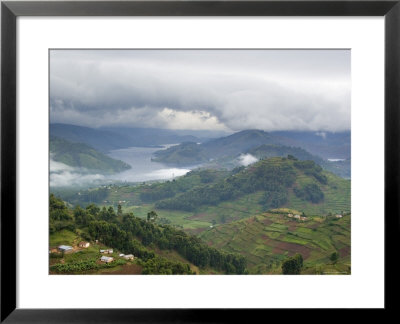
x=297, y=216
x=339, y=216
x=109, y=251
x=84, y=244
x=129, y=257
x=106, y=259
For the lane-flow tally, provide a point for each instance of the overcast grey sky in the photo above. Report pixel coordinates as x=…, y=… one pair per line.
x=202, y=89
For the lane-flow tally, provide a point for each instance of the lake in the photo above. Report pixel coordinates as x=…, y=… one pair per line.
x=143, y=169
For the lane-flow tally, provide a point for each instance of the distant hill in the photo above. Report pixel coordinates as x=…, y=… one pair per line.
x=327, y=145
x=232, y=145
x=224, y=150
x=184, y=154
x=101, y=140
x=111, y=138
x=83, y=156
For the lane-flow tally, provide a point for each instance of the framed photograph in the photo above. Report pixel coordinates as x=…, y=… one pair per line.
x=184, y=156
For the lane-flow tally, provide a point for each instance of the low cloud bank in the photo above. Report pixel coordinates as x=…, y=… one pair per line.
x=62, y=175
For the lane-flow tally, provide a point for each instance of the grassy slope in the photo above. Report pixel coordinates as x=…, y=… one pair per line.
x=267, y=239
x=83, y=156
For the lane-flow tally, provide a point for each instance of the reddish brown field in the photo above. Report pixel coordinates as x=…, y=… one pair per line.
x=345, y=251
x=292, y=249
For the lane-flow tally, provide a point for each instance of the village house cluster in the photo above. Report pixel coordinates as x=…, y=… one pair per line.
x=85, y=245
x=303, y=218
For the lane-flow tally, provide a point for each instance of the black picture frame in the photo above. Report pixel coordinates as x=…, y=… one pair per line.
x=10, y=10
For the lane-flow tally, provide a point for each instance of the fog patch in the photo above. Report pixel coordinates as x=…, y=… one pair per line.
x=62, y=175
x=247, y=159
x=165, y=174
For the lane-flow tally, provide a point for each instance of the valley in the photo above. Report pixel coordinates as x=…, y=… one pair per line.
x=266, y=213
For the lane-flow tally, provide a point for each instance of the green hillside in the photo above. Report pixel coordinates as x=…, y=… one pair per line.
x=83, y=156
x=270, y=183
x=266, y=240
x=158, y=249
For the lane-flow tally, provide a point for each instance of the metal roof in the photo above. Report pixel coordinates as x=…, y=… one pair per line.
x=65, y=247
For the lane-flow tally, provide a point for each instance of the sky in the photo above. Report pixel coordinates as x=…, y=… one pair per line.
x=226, y=90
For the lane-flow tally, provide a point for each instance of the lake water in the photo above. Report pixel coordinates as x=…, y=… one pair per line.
x=143, y=169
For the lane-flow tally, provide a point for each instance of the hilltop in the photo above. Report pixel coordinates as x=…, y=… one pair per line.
x=275, y=182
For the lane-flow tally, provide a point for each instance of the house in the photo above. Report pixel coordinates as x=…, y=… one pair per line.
x=129, y=257
x=109, y=251
x=290, y=215
x=339, y=216
x=297, y=216
x=84, y=244
x=65, y=248
x=121, y=255
x=106, y=259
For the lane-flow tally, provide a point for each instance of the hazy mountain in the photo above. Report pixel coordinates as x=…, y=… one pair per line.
x=327, y=145
x=261, y=144
x=99, y=139
x=232, y=145
x=111, y=138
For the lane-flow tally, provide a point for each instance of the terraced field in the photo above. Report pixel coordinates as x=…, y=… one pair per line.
x=268, y=239
x=337, y=196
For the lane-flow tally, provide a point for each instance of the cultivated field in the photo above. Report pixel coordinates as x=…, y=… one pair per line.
x=268, y=239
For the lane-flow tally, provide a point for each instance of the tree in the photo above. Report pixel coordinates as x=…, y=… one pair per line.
x=293, y=265
x=152, y=216
x=334, y=257
x=119, y=212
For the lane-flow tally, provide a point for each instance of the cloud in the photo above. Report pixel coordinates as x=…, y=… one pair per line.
x=202, y=89
x=247, y=159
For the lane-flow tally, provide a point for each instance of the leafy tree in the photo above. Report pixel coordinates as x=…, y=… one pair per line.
x=152, y=216
x=58, y=210
x=310, y=192
x=334, y=257
x=119, y=211
x=293, y=265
